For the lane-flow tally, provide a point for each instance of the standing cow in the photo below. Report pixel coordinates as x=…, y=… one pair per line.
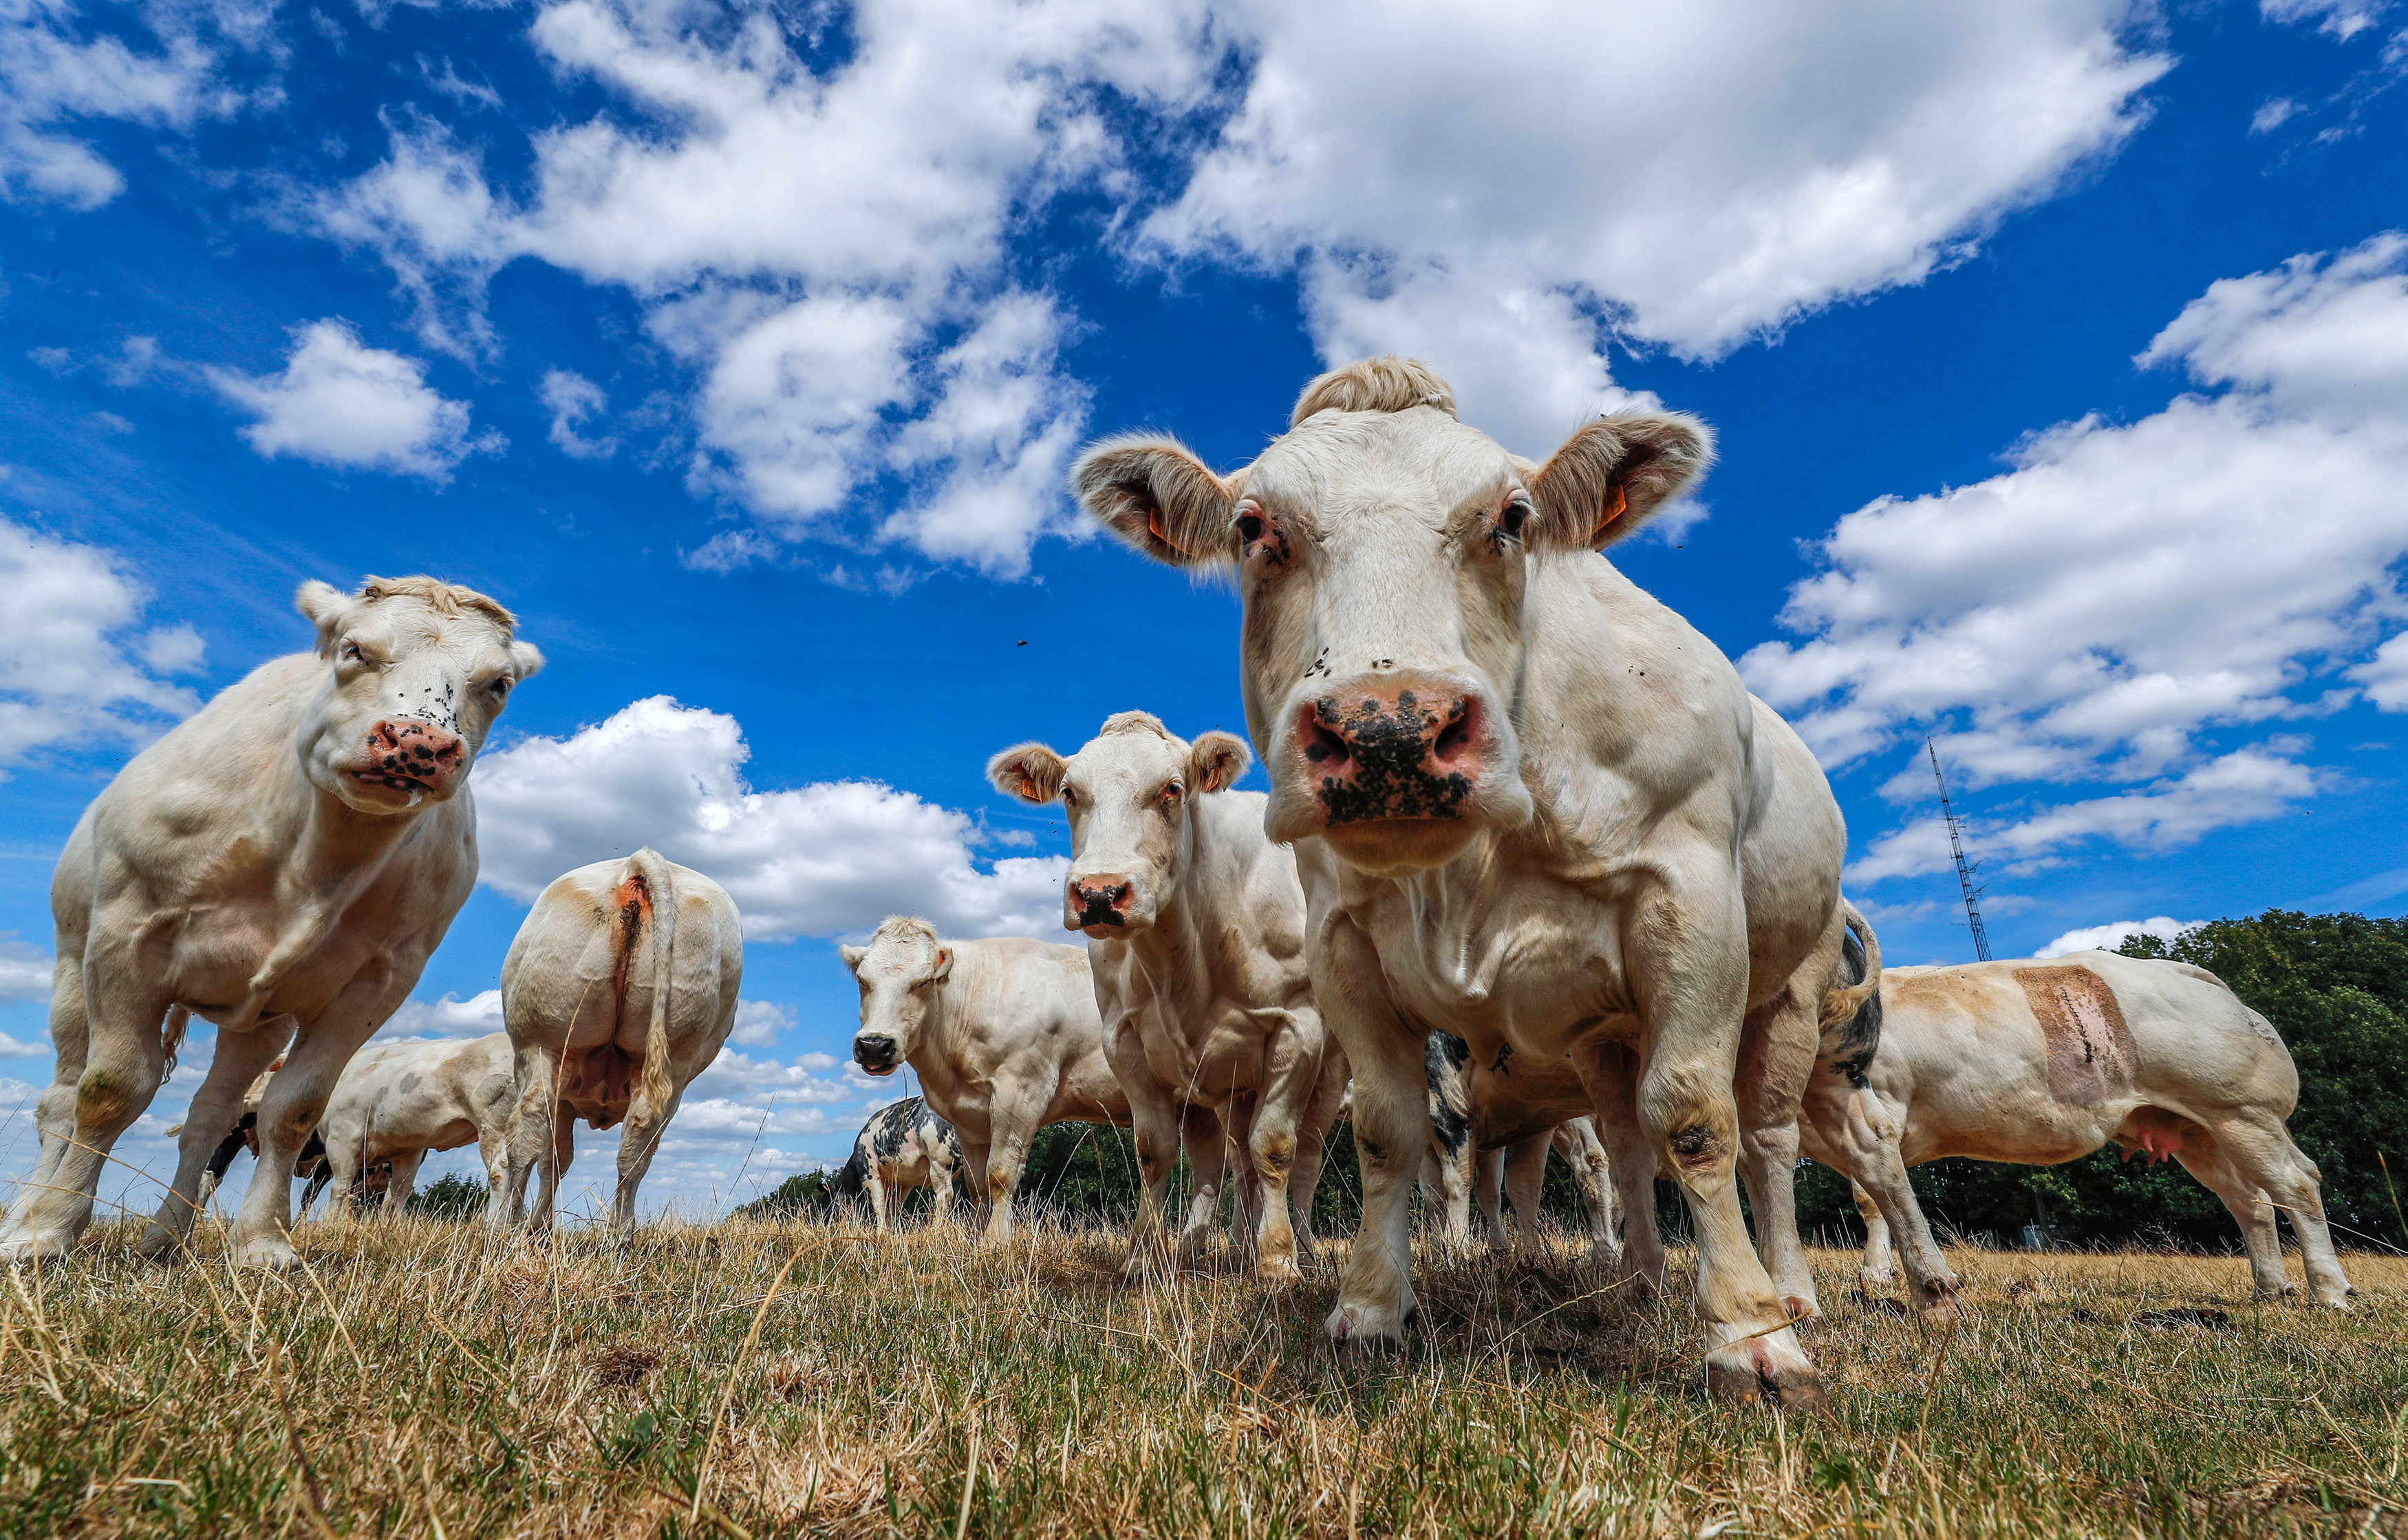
x=2041, y=1061
x=902, y=1146
x=619, y=990
x=1005, y=1036
x=1564, y=829
x=1206, y=995
x=399, y=1101
x=279, y=864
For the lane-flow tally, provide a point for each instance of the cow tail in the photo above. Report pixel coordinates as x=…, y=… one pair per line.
x=653, y=1096
x=1854, y=1008
x=171, y=1039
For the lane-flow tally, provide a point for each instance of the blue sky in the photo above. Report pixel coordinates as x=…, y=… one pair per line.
x=2058, y=354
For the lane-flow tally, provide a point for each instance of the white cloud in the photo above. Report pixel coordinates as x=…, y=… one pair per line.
x=479, y=1015
x=2386, y=675
x=2273, y=113
x=74, y=671
x=828, y=248
x=2124, y=589
x=339, y=402
x=2106, y=938
x=571, y=398
x=25, y=972
x=53, y=74
x=758, y=1022
x=1494, y=184
x=11, y=1048
x=2338, y=18
x=829, y=858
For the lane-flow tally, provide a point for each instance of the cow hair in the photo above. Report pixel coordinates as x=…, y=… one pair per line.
x=1385, y=383
x=1648, y=459
x=903, y=928
x=1135, y=722
x=449, y=599
x=1156, y=495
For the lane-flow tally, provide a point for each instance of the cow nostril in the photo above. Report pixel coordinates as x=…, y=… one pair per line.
x=1453, y=737
x=1324, y=748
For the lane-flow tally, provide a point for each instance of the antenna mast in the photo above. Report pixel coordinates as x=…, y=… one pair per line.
x=1965, y=868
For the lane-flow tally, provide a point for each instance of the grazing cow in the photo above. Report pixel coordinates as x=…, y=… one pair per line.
x=2041, y=1061
x=619, y=990
x=1003, y=1034
x=398, y=1100
x=1564, y=828
x=1520, y=1170
x=281, y=863
x=1198, y=923
x=902, y=1146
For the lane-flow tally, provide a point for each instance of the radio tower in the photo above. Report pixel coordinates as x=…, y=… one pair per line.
x=1965, y=868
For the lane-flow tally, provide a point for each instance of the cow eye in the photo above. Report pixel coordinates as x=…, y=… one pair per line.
x=351, y=652
x=1250, y=528
x=1171, y=794
x=1512, y=517
x=500, y=684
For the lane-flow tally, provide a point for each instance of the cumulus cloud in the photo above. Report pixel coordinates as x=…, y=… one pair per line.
x=451, y=1016
x=2124, y=589
x=75, y=669
x=824, y=860
x=55, y=73
x=1499, y=186
x=339, y=402
x=758, y=1022
x=25, y=972
x=572, y=398
x=2106, y=938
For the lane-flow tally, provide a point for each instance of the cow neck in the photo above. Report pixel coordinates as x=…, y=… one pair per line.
x=1170, y=951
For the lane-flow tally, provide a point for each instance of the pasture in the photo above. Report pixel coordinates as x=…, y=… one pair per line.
x=809, y=1379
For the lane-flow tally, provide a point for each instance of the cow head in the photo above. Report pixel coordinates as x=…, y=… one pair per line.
x=1383, y=552
x=899, y=973
x=416, y=672
x=1127, y=795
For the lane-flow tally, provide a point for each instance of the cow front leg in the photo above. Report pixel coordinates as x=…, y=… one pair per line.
x=1878, y=1268
x=1392, y=1136
x=1017, y=1112
x=1858, y=1132
x=1609, y=1074
x=216, y=1108
x=881, y=1198
x=288, y=1110
x=398, y=1187
x=1593, y=1175
x=1525, y=1180
x=1312, y=1139
x=1489, y=1191
x=1206, y=1141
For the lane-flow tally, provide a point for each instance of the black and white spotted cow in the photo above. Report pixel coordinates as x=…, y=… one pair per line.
x=902, y=1146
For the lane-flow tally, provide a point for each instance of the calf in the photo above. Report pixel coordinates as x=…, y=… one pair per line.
x=902, y=1146
x=2041, y=1061
x=399, y=1101
x=1197, y=922
x=280, y=863
x=1005, y=1036
x=619, y=990
x=1563, y=828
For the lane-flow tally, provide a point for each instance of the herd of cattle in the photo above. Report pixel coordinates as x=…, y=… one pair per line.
x=1534, y=871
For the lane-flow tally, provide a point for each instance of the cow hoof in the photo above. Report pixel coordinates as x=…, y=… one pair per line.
x=1801, y=1308
x=158, y=1245
x=1366, y=1328
x=34, y=1251
x=1875, y=1280
x=1939, y=1310
x=1769, y=1372
x=2332, y=1298
x=1277, y=1270
x=269, y=1254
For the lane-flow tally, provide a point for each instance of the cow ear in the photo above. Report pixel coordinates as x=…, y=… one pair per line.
x=1608, y=477
x=1158, y=497
x=852, y=955
x=526, y=661
x=1216, y=759
x=325, y=606
x=1030, y=771
x=944, y=965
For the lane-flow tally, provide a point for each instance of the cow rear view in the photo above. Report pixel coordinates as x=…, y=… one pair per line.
x=620, y=988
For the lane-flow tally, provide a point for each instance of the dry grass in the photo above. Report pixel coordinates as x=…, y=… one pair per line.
x=412, y=1381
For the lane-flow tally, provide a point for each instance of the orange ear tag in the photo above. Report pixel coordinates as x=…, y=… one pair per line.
x=1154, y=528
x=1613, y=510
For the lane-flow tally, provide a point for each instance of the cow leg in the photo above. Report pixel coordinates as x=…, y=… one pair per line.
x=882, y=1196
x=1206, y=1139
x=288, y=1114
x=341, y=1163
x=1878, y=1268
x=402, y=1181
x=1291, y=1089
x=317, y=1180
x=974, y=1167
x=940, y=1179
x=1014, y=1116
x=2260, y=1149
x=1609, y=1073
x=1312, y=1142
x=1526, y=1178
x=55, y=1111
x=1392, y=1132
x=217, y=1107
x=1778, y=1043
x=1856, y=1132
x=1154, y=1121
x=638, y=1145
x=1593, y=1174
x=1489, y=1191
x=535, y=1073
x=2249, y=1207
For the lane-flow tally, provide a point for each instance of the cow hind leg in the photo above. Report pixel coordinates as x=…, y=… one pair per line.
x=1487, y=1190
x=1206, y=1141
x=1878, y=1269
x=1593, y=1174
x=402, y=1181
x=2260, y=1150
x=1768, y=1165
x=636, y=1146
x=527, y=1135
x=2250, y=1209
x=1526, y=1179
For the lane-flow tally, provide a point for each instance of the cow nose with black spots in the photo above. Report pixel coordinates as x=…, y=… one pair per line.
x=1394, y=749
x=408, y=754
x=1096, y=904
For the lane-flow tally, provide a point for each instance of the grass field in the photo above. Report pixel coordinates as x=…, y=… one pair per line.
x=811, y=1379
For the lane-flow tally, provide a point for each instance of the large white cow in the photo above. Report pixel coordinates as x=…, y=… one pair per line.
x=397, y=1101
x=1004, y=1033
x=281, y=864
x=1565, y=830
x=2039, y=1062
x=619, y=990
x=1198, y=923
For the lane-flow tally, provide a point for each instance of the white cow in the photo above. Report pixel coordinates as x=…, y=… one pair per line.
x=1197, y=922
x=2043, y=1060
x=619, y=990
x=902, y=1146
x=1518, y=1170
x=398, y=1100
x=1004, y=1033
x=1564, y=828
x=281, y=864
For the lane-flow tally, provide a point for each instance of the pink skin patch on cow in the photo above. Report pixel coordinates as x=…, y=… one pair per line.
x=2090, y=1056
x=2155, y=1132
x=601, y=1084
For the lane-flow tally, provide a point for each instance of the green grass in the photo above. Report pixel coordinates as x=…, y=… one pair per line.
x=413, y=1381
